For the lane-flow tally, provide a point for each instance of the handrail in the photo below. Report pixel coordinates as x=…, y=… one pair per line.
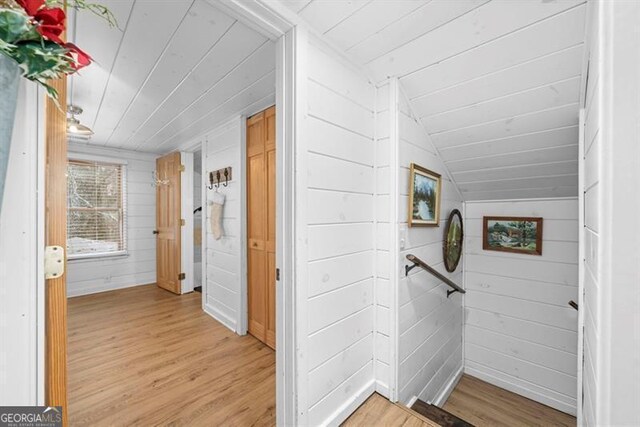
x=417, y=262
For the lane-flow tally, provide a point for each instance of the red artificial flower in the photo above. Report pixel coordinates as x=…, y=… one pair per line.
x=51, y=24
x=80, y=58
x=31, y=6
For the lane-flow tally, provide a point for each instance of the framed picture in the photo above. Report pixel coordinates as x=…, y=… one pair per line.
x=521, y=235
x=424, y=197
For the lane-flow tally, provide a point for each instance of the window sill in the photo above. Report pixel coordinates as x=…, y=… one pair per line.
x=98, y=257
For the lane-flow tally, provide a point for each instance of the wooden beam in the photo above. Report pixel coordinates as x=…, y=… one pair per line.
x=56, y=235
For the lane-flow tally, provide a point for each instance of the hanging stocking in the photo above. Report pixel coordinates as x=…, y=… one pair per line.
x=216, y=215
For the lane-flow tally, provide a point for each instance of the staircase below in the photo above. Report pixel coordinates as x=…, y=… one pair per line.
x=438, y=415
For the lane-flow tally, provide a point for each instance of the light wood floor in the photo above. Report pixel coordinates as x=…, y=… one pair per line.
x=483, y=404
x=143, y=356
x=473, y=400
x=378, y=411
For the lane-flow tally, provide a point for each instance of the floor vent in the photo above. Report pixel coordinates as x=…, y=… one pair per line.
x=438, y=415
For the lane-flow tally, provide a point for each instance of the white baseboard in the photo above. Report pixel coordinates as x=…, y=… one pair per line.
x=220, y=317
x=448, y=387
x=382, y=389
x=78, y=292
x=350, y=406
x=411, y=401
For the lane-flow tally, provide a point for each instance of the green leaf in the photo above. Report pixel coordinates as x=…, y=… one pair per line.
x=13, y=25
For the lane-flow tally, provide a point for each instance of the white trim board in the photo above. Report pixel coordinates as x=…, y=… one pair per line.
x=447, y=389
x=186, y=231
x=73, y=155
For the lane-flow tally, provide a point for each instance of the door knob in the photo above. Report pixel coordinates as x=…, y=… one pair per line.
x=156, y=232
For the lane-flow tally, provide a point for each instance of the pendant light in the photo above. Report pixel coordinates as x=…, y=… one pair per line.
x=74, y=126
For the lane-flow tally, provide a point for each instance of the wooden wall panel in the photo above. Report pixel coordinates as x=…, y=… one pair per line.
x=224, y=260
x=339, y=147
x=483, y=85
x=533, y=347
x=592, y=149
x=20, y=269
x=139, y=267
x=430, y=324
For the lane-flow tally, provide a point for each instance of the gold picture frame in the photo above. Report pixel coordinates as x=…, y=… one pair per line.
x=515, y=234
x=424, y=197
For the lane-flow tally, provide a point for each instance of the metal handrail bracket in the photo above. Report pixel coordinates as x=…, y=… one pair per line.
x=417, y=262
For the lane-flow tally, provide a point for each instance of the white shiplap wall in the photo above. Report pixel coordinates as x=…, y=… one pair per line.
x=386, y=250
x=139, y=267
x=430, y=324
x=611, y=374
x=21, y=263
x=520, y=334
x=335, y=262
x=592, y=95
x=171, y=71
x=225, y=258
x=496, y=83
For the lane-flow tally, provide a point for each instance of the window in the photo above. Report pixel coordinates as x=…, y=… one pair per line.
x=96, y=217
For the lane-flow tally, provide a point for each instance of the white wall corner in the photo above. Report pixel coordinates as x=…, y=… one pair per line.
x=449, y=386
x=350, y=406
x=447, y=172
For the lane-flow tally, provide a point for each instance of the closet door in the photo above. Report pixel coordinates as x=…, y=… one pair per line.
x=270, y=154
x=261, y=225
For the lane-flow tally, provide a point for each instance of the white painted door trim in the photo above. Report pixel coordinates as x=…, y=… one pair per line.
x=242, y=325
x=396, y=235
x=186, y=231
x=276, y=22
x=286, y=303
x=581, y=267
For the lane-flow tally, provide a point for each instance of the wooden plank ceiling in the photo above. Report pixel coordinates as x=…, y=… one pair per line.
x=496, y=84
x=172, y=70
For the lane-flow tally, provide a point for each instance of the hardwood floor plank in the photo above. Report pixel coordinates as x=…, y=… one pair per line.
x=378, y=411
x=143, y=356
x=483, y=404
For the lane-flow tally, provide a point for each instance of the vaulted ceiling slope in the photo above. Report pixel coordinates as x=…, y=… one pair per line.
x=172, y=70
x=496, y=84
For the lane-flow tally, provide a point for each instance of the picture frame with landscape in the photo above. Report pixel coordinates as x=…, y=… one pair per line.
x=521, y=235
x=424, y=197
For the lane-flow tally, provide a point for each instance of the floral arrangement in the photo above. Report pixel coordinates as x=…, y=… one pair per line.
x=31, y=34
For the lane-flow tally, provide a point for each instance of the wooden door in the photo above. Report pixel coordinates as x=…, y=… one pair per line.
x=56, y=235
x=168, y=223
x=261, y=225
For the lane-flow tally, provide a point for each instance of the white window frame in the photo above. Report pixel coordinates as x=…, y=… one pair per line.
x=123, y=191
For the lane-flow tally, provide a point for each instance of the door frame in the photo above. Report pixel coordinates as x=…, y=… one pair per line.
x=188, y=265
x=187, y=257
x=581, y=268
x=277, y=24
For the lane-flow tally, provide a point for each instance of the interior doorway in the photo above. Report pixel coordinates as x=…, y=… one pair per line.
x=197, y=220
x=140, y=191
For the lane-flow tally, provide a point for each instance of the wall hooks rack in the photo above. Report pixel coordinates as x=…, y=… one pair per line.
x=215, y=177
